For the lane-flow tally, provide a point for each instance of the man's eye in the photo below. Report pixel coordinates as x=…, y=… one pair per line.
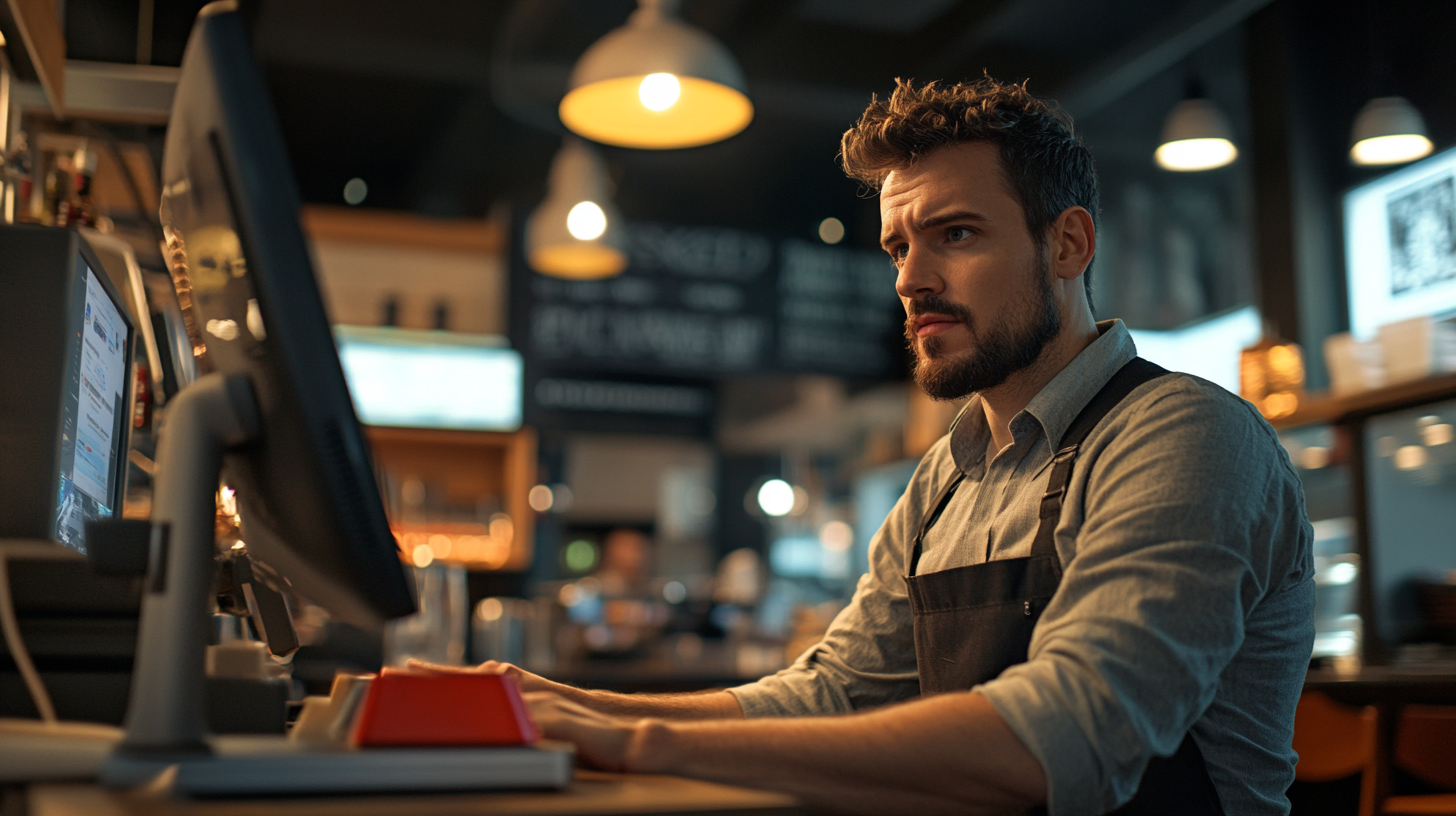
x=959, y=233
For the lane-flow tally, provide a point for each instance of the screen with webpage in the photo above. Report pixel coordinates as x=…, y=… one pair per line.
x=93, y=411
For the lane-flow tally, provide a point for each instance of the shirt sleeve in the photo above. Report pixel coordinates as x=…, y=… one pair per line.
x=867, y=657
x=1190, y=515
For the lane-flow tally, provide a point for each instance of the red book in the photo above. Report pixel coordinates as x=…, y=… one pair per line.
x=409, y=707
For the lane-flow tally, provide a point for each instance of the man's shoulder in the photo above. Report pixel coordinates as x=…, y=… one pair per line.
x=1199, y=419
x=1186, y=395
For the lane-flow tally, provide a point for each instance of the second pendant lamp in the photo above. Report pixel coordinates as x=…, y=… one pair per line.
x=1196, y=136
x=576, y=233
x=656, y=83
x=1389, y=130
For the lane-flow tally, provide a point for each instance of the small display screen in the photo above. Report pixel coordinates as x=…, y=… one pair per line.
x=431, y=379
x=92, y=411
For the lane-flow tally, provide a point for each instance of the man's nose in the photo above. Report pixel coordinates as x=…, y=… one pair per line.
x=918, y=276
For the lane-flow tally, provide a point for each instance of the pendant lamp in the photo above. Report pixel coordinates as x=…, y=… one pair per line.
x=1388, y=130
x=656, y=83
x=1196, y=136
x=576, y=233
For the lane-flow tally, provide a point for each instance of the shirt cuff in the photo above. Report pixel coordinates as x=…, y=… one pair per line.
x=756, y=701
x=1075, y=776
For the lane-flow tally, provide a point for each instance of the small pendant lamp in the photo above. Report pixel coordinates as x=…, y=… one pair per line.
x=1196, y=136
x=656, y=83
x=576, y=233
x=1388, y=130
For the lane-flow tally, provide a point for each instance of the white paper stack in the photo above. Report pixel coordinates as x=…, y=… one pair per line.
x=1417, y=347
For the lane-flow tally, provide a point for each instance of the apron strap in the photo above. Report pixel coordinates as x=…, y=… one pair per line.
x=1136, y=372
x=931, y=515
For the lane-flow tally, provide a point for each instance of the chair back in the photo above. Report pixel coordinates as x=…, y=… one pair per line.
x=1425, y=744
x=1333, y=740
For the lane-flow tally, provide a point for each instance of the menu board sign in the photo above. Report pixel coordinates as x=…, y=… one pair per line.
x=708, y=301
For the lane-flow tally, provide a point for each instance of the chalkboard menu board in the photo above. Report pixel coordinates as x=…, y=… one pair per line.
x=702, y=302
x=836, y=308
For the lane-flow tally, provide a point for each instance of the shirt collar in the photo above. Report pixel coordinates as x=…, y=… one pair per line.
x=1058, y=403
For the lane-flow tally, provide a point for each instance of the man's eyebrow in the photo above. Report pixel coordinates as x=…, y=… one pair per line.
x=949, y=218
x=935, y=221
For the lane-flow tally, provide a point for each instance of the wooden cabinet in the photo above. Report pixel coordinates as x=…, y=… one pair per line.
x=462, y=494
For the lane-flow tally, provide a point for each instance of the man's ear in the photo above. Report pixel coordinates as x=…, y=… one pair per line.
x=1074, y=242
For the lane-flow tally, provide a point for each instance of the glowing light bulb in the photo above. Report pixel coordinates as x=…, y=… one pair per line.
x=776, y=497
x=659, y=92
x=586, y=221
x=1187, y=155
x=1393, y=149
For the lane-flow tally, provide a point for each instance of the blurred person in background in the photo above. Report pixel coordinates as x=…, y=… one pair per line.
x=626, y=560
x=1096, y=594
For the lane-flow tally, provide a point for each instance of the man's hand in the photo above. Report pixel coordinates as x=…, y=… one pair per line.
x=526, y=680
x=713, y=705
x=946, y=754
x=602, y=741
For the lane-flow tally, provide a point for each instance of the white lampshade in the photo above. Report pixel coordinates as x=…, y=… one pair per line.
x=656, y=83
x=576, y=233
x=1196, y=137
x=1388, y=130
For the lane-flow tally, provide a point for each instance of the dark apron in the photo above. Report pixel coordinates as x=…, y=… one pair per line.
x=974, y=622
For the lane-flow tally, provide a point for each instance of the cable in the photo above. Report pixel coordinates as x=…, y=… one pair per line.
x=38, y=693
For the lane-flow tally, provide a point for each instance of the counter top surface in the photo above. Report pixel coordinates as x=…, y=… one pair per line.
x=591, y=792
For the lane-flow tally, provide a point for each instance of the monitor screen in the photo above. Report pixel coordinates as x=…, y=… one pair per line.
x=431, y=379
x=306, y=493
x=1400, y=245
x=93, y=410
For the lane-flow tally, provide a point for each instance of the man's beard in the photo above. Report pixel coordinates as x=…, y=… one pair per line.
x=1008, y=347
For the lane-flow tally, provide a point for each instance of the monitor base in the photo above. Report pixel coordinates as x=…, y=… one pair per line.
x=277, y=766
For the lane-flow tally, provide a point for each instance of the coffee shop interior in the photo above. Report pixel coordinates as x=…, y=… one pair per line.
x=628, y=363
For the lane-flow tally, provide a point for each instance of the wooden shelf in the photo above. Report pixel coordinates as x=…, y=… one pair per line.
x=469, y=463
x=366, y=226
x=1323, y=408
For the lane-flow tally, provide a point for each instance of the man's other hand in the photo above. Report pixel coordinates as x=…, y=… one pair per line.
x=602, y=741
x=693, y=706
x=526, y=680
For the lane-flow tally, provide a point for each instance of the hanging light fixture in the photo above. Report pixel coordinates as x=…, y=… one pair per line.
x=1196, y=136
x=576, y=232
x=656, y=83
x=1388, y=130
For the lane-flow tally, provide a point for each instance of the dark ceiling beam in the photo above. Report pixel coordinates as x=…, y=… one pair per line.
x=1160, y=49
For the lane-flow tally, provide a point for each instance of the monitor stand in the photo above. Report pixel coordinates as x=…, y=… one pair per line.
x=166, y=730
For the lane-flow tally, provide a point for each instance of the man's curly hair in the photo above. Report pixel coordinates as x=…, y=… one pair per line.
x=1045, y=165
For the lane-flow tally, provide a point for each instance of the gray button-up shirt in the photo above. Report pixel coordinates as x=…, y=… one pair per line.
x=1186, y=603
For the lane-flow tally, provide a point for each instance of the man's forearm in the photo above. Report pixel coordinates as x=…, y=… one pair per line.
x=951, y=753
x=708, y=705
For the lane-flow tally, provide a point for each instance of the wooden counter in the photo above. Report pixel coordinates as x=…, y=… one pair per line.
x=591, y=792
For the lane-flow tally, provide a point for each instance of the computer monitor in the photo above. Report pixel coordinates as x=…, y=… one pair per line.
x=305, y=485
x=271, y=414
x=67, y=339
x=93, y=414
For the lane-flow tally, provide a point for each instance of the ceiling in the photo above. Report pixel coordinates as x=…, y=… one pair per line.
x=447, y=107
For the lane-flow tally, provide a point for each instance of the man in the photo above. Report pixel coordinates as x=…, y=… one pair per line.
x=1097, y=589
